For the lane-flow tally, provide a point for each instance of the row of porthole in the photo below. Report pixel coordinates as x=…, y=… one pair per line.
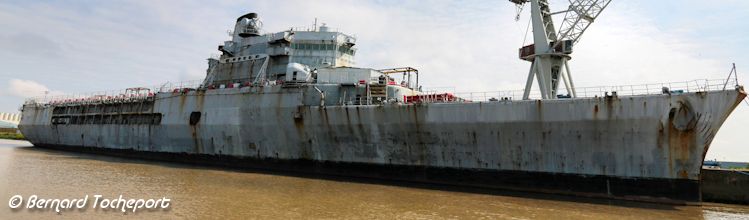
x=132, y=119
x=112, y=108
x=245, y=58
x=242, y=58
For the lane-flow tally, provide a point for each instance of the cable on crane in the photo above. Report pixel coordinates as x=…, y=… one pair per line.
x=527, y=27
x=518, y=10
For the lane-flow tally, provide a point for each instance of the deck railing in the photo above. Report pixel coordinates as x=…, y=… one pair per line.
x=600, y=91
x=139, y=93
x=119, y=95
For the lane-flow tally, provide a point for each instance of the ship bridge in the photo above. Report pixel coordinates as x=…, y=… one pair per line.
x=251, y=57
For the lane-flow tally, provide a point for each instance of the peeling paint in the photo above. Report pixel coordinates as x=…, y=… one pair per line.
x=658, y=136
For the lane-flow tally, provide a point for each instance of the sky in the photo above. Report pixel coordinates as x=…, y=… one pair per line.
x=69, y=47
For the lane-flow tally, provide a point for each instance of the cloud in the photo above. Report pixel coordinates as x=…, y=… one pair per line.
x=30, y=44
x=626, y=46
x=27, y=89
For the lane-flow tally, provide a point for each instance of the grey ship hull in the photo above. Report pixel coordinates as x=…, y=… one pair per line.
x=634, y=147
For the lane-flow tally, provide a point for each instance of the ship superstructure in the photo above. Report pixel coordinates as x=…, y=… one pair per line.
x=293, y=101
x=250, y=57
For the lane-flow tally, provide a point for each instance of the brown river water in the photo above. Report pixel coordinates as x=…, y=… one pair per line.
x=198, y=192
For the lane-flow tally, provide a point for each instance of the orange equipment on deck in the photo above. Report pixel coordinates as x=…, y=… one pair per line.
x=441, y=97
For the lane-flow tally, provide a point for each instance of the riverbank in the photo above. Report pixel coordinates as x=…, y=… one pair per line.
x=12, y=136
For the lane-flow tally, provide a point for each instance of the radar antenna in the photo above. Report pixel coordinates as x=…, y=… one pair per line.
x=550, y=52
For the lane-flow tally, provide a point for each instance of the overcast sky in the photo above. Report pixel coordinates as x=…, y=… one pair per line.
x=69, y=47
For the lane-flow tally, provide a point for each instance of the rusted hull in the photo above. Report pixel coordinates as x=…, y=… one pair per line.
x=675, y=191
x=638, y=146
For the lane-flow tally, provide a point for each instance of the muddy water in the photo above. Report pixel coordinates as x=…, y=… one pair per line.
x=206, y=192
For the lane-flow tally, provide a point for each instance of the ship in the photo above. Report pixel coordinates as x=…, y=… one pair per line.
x=292, y=101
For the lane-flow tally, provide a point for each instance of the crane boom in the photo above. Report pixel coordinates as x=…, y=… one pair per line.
x=551, y=50
x=578, y=18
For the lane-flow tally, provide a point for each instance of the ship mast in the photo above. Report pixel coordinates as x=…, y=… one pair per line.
x=550, y=51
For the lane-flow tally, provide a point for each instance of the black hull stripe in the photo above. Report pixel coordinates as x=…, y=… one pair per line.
x=672, y=191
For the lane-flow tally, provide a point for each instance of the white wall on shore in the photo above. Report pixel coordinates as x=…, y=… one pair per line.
x=14, y=118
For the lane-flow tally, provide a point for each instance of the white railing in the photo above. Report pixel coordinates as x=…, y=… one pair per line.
x=170, y=87
x=313, y=28
x=139, y=93
x=600, y=91
x=120, y=95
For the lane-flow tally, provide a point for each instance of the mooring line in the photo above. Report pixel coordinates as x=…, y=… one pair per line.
x=742, y=172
